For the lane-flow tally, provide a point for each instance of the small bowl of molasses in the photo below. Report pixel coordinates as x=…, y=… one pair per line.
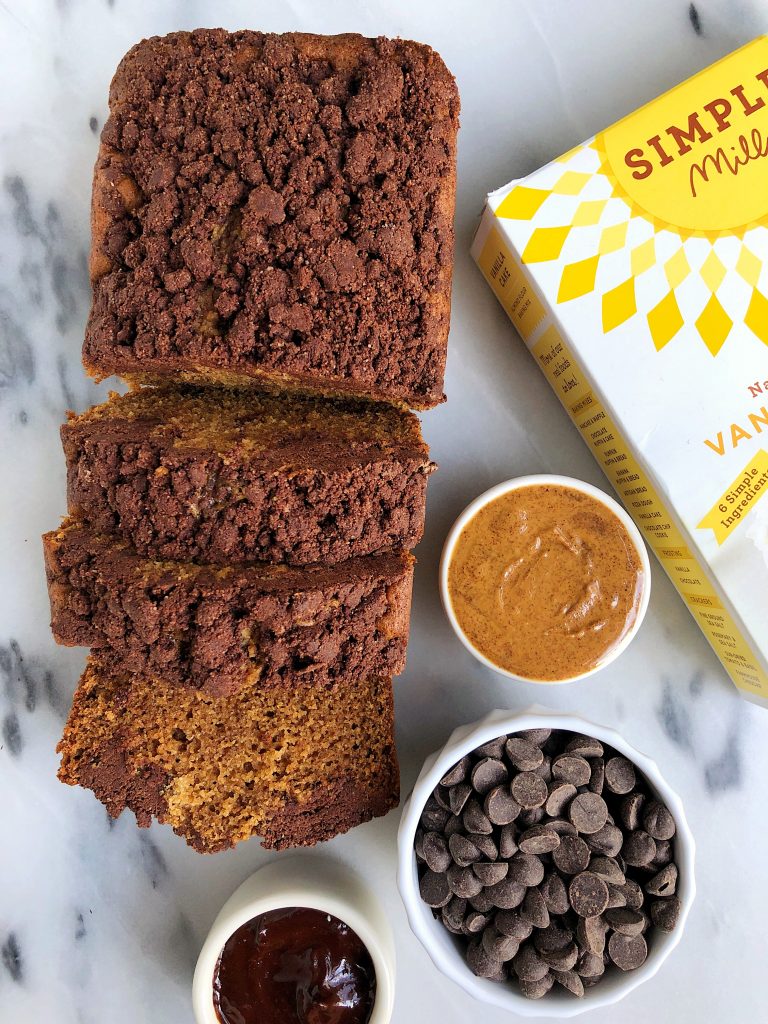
x=302, y=941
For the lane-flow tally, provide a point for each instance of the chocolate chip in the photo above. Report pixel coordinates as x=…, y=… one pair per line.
x=458, y=796
x=433, y=817
x=626, y=921
x=512, y=923
x=633, y=894
x=418, y=843
x=616, y=895
x=664, y=883
x=507, y=841
x=619, y=775
x=531, y=816
x=590, y=966
x=528, y=965
x=663, y=853
x=537, y=736
x=562, y=827
x=436, y=852
x=498, y=945
x=538, y=839
x=454, y=824
x=608, y=869
x=590, y=934
x=462, y=882
x=434, y=889
x=491, y=873
x=529, y=790
x=479, y=962
x=536, y=989
x=665, y=913
x=500, y=806
x=569, y=980
x=454, y=912
x=560, y=795
x=507, y=894
x=560, y=959
x=485, y=844
x=555, y=893
x=585, y=746
x=657, y=821
x=630, y=810
x=482, y=902
x=588, y=894
x=572, y=855
x=588, y=812
x=627, y=953
x=493, y=748
x=572, y=768
x=638, y=849
x=608, y=840
x=544, y=770
x=475, y=921
x=597, y=776
x=526, y=869
x=554, y=937
x=534, y=909
x=463, y=850
x=523, y=755
x=488, y=773
x=458, y=773
x=474, y=819
x=440, y=794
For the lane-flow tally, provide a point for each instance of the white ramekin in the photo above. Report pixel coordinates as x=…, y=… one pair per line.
x=445, y=950
x=314, y=882
x=550, y=480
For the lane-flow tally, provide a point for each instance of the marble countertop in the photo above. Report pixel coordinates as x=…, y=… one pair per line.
x=100, y=921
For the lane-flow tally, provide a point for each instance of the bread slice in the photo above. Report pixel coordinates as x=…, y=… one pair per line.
x=215, y=475
x=224, y=628
x=276, y=210
x=294, y=767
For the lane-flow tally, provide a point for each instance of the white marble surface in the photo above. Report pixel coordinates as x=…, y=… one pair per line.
x=102, y=922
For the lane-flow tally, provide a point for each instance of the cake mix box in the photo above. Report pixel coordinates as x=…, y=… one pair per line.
x=635, y=267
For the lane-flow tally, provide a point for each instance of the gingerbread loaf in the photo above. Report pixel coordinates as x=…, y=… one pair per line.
x=217, y=476
x=222, y=629
x=276, y=210
x=294, y=768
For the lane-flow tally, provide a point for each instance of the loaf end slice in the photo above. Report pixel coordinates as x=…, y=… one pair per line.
x=276, y=210
x=293, y=769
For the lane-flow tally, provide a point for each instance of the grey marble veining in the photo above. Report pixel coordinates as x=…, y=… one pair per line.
x=100, y=921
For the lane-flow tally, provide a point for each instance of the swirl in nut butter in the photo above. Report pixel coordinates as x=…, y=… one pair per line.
x=545, y=581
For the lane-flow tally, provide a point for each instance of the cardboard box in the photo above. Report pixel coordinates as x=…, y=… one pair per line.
x=635, y=267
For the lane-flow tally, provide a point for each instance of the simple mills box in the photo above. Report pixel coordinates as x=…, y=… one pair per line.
x=635, y=267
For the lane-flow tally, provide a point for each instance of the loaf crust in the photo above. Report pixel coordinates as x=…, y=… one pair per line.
x=276, y=210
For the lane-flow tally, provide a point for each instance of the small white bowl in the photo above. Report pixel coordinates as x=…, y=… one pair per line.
x=445, y=949
x=550, y=480
x=313, y=882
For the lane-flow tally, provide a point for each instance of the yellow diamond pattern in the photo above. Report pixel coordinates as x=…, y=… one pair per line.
x=619, y=304
x=756, y=317
x=522, y=203
x=578, y=279
x=714, y=325
x=643, y=256
x=712, y=271
x=665, y=320
x=545, y=244
x=589, y=212
x=571, y=183
x=748, y=266
x=613, y=238
x=677, y=268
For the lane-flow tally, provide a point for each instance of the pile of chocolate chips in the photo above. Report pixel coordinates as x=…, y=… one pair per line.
x=549, y=854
